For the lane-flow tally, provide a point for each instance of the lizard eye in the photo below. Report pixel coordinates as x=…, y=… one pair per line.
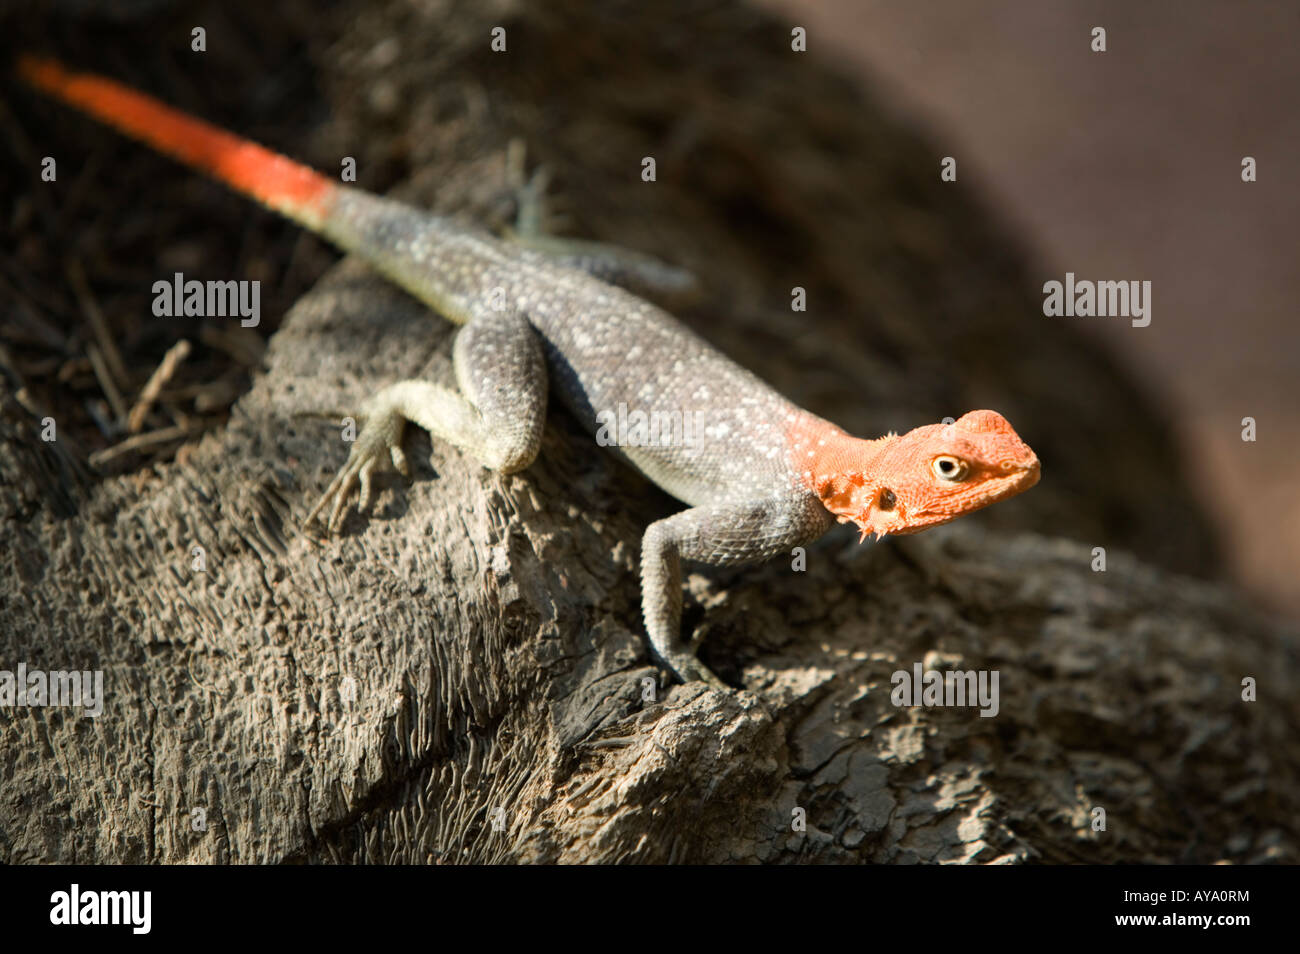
x=949, y=468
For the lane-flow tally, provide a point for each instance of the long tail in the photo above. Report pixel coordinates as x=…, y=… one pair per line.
x=407, y=244
x=276, y=181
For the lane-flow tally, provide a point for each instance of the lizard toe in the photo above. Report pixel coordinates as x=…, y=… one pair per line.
x=689, y=668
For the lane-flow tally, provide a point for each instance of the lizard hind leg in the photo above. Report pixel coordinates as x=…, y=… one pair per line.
x=496, y=416
x=502, y=371
x=628, y=268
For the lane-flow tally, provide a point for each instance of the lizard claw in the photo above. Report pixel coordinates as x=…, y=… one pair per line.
x=378, y=442
x=688, y=667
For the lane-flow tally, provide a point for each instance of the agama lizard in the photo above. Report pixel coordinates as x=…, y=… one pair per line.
x=762, y=477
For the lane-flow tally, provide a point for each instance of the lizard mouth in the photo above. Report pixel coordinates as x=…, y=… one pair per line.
x=1031, y=475
x=899, y=520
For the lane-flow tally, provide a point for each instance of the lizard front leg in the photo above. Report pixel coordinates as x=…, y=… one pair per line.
x=720, y=535
x=497, y=415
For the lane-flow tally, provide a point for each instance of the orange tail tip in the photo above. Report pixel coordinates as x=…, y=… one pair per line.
x=272, y=179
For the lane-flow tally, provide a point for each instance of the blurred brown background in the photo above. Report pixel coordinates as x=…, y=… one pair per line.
x=1127, y=165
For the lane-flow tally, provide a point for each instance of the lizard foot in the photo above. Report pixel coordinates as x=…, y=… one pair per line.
x=380, y=440
x=688, y=667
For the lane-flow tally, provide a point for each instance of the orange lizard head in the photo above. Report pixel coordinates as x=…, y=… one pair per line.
x=932, y=475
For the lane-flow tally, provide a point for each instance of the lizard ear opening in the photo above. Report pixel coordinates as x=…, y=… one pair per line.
x=886, y=500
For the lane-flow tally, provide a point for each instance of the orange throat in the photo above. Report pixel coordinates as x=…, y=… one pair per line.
x=849, y=497
x=837, y=467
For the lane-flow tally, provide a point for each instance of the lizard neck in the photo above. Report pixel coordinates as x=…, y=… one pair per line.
x=839, y=468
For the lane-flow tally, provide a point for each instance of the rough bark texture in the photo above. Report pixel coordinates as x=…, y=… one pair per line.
x=473, y=651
